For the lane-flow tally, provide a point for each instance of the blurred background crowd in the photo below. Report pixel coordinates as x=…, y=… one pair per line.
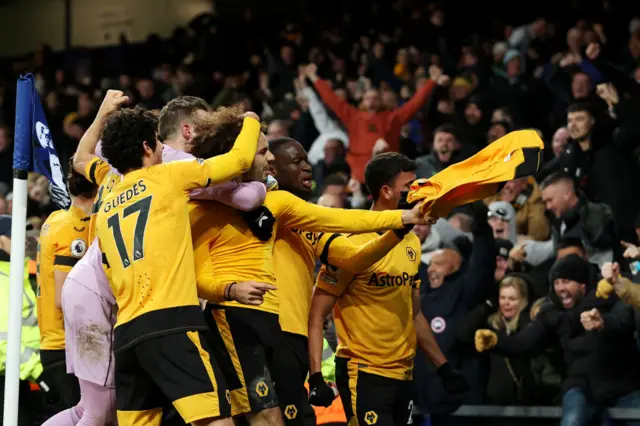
x=443, y=80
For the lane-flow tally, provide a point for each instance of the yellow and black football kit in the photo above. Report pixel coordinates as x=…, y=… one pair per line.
x=376, y=335
x=63, y=242
x=160, y=344
x=105, y=178
x=226, y=251
x=513, y=156
x=294, y=257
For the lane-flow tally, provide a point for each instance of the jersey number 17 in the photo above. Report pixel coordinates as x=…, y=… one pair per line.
x=142, y=206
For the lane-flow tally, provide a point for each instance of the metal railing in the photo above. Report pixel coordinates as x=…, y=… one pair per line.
x=535, y=412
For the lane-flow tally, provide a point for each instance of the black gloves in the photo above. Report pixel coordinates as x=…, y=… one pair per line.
x=261, y=222
x=453, y=381
x=404, y=205
x=320, y=393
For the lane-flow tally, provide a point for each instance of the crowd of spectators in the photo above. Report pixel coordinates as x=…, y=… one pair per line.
x=408, y=77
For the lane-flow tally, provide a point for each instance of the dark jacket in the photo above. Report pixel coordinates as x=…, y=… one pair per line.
x=606, y=174
x=446, y=307
x=510, y=381
x=604, y=364
x=593, y=224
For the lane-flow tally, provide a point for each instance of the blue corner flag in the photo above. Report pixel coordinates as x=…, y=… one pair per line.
x=34, y=148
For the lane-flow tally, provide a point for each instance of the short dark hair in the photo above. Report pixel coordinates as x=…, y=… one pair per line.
x=218, y=134
x=581, y=106
x=79, y=186
x=446, y=128
x=177, y=110
x=384, y=168
x=571, y=242
x=123, y=136
x=557, y=177
x=276, y=144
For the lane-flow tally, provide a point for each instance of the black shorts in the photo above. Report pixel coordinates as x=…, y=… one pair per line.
x=293, y=368
x=175, y=368
x=373, y=399
x=63, y=388
x=247, y=344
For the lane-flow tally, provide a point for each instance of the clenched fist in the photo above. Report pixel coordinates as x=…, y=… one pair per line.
x=592, y=320
x=485, y=340
x=113, y=99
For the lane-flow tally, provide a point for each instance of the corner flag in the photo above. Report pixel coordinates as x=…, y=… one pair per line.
x=33, y=150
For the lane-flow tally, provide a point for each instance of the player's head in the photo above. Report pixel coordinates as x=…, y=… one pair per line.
x=180, y=118
x=387, y=176
x=291, y=167
x=79, y=186
x=129, y=140
x=217, y=136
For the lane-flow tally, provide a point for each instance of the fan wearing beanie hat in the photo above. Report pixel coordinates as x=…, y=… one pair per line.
x=570, y=277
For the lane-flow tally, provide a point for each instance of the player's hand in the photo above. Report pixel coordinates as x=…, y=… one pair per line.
x=251, y=114
x=320, y=393
x=250, y=292
x=405, y=205
x=485, y=340
x=113, y=100
x=261, y=222
x=592, y=320
x=453, y=381
x=415, y=217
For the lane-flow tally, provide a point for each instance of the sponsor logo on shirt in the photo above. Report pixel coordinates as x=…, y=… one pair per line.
x=386, y=280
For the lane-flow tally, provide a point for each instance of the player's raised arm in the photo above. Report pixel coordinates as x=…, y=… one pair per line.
x=338, y=251
x=87, y=146
x=201, y=173
x=294, y=212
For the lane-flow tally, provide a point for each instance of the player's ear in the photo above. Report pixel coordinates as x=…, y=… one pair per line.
x=147, y=148
x=386, y=192
x=187, y=131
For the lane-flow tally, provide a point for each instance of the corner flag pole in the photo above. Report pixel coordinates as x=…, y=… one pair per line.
x=21, y=166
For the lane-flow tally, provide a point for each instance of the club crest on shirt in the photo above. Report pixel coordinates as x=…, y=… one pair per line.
x=78, y=247
x=371, y=417
x=411, y=254
x=291, y=411
x=262, y=389
x=438, y=325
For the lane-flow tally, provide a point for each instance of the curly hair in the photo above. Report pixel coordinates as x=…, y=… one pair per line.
x=79, y=186
x=217, y=133
x=123, y=136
